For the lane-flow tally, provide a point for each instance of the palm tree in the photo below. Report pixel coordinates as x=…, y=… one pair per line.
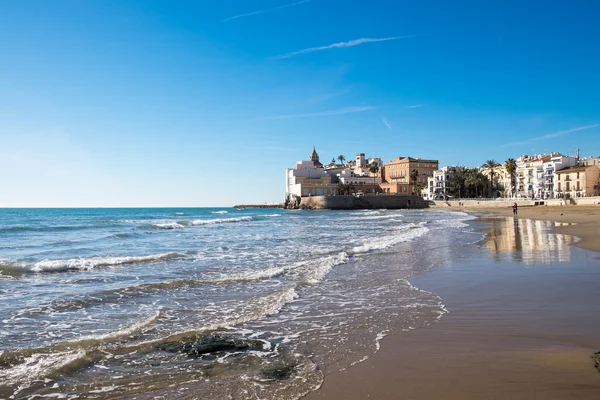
x=419, y=186
x=342, y=159
x=345, y=189
x=458, y=181
x=511, y=168
x=491, y=165
x=374, y=169
x=471, y=181
x=414, y=175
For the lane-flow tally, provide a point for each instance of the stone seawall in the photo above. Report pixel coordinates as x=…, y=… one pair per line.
x=363, y=202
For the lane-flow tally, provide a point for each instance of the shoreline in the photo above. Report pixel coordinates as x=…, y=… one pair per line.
x=515, y=330
x=581, y=221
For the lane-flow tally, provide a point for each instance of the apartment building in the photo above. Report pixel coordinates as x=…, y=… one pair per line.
x=396, y=174
x=580, y=181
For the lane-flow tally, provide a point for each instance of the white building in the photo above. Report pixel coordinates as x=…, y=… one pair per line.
x=348, y=176
x=362, y=166
x=439, y=186
x=536, y=175
x=308, y=178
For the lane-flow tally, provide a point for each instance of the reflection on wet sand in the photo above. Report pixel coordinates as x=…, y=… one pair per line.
x=527, y=240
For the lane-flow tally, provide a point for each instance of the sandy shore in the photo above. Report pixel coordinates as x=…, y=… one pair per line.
x=586, y=220
x=523, y=321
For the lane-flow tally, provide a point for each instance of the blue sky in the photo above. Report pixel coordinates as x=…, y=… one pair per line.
x=198, y=103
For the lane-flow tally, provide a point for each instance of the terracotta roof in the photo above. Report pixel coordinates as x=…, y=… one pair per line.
x=574, y=169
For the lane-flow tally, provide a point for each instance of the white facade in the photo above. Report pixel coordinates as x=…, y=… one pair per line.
x=360, y=160
x=429, y=192
x=348, y=176
x=536, y=175
x=375, y=160
x=302, y=169
x=440, y=186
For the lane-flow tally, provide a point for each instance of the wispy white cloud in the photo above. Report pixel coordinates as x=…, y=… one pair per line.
x=266, y=10
x=339, y=111
x=553, y=135
x=350, y=43
x=414, y=106
x=386, y=123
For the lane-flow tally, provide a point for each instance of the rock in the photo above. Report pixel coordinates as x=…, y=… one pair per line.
x=278, y=372
x=211, y=345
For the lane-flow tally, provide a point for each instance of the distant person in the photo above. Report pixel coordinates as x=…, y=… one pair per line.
x=515, y=209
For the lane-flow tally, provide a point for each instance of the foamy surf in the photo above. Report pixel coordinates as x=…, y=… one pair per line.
x=403, y=234
x=85, y=264
x=38, y=366
x=252, y=309
x=302, y=287
x=220, y=220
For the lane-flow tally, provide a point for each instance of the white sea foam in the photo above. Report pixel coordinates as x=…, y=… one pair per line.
x=124, y=331
x=272, y=215
x=220, y=220
x=220, y=212
x=86, y=263
x=169, y=225
x=37, y=366
x=251, y=275
x=252, y=309
x=405, y=233
x=316, y=270
x=449, y=223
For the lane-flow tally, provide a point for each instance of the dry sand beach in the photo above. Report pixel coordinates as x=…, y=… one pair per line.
x=523, y=321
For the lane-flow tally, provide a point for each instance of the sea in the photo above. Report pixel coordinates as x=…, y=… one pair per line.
x=209, y=303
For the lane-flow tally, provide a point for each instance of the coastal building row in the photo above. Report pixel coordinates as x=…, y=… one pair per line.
x=366, y=175
x=538, y=176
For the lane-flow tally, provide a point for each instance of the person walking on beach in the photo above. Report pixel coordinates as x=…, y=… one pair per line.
x=515, y=209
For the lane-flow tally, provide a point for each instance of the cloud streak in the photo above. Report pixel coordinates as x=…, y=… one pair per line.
x=553, y=135
x=266, y=10
x=386, y=123
x=339, y=45
x=339, y=111
x=414, y=106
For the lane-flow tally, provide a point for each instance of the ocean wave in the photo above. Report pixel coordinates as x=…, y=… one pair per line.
x=450, y=223
x=249, y=276
x=220, y=220
x=84, y=263
x=26, y=365
x=220, y=212
x=374, y=217
x=37, y=366
x=119, y=333
x=404, y=234
x=272, y=215
x=251, y=309
x=168, y=225
x=315, y=270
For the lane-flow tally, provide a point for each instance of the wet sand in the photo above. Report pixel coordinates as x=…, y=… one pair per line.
x=585, y=218
x=523, y=321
